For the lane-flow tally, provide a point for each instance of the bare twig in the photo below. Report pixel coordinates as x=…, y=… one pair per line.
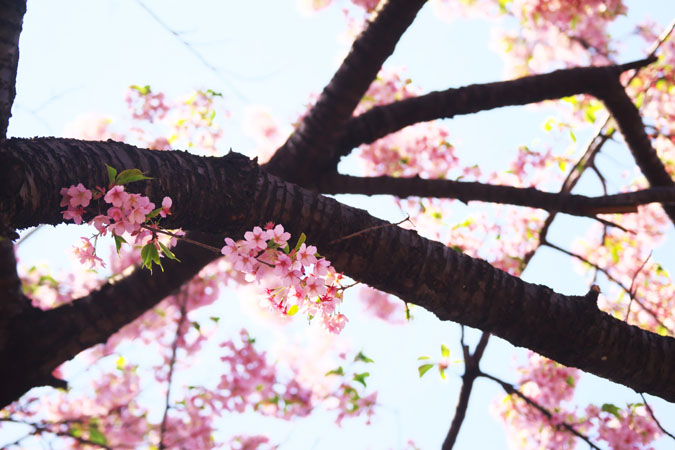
x=631, y=292
x=182, y=299
x=651, y=413
x=349, y=236
x=511, y=390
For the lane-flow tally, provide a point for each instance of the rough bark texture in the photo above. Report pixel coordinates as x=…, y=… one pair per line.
x=380, y=121
x=11, y=20
x=299, y=160
x=452, y=285
x=579, y=205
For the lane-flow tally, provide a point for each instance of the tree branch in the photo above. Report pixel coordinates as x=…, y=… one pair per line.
x=578, y=205
x=11, y=17
x=380, y=121
x=302, y=158
x=471, y=372
x=237, y=196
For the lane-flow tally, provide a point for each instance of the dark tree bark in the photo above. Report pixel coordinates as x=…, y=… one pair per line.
x=453, y=286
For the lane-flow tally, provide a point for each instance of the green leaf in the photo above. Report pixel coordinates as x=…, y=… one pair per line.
x=119, y=240
x=150, y=255
x=570, y=381
x=121, y=362
x=215, y=318
x=97, y=437
x=301, y=241
x=75, y=430
x=196, y=326
x=612, y=409
x=572, y=136
x=424, y=368
x=445, y=351
x=362, y=357
x=338, y=371
x=129, y=176
x=154, y=213
x=112, y=172
x=168, y=253
x=292, y=310
x=361, y=378
x=423, y=357
x=442, y=372
x=143, y=90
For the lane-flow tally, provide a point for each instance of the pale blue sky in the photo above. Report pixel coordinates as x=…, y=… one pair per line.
x=79, y=56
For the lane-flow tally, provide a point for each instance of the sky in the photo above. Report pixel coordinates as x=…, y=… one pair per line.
x=78, y=57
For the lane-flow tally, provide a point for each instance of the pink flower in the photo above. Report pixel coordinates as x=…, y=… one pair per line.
x=166, y=205
x=306, y=255
x=278, y=235
x=116, y=196
x=315, y=286
x=86, y=254
x=73, y=213
x=335, y=323
x=256, y=239
x=79, y=195
x=115, y=214
x=101, y=223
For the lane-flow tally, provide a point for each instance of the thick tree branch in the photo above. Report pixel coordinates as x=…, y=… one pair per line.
x=11, y=21
x=302, y=158
x=380, y=121
x=578, y=205
x=452, y=285
x=630, y=124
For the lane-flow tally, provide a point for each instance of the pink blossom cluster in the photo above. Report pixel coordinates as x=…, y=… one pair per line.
x=255, y=442
x=296, y=280
x=126, y=213
x=551, y=386
x=145, y=104
x=629, y=428
x=251, y=382
x=554, y=32
x=621, y=254
x=381, y=305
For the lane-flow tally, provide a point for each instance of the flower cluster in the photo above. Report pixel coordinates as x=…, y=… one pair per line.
x=296, y=280
x=126, y=213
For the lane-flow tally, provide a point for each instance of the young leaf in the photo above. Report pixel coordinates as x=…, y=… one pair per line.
x=301, y=241
x=612, y=409
x=130, y=175
x=442, y=371
x=292, y=310
x=112, y=172
x=119, y=240
x=445, y=351
x=97, y=437
x=152, y=214
x=338, y=371
x=168, y=253
x=361, y=378
x=149, y=255
x=362, y=357
x=424, y=368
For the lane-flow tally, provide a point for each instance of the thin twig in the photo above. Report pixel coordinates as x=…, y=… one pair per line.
x=511, y=389
x=183, y=238
x=349, y=236
x=182, y=298
x=651, y=413
x=611, y=278
x=632, y=290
